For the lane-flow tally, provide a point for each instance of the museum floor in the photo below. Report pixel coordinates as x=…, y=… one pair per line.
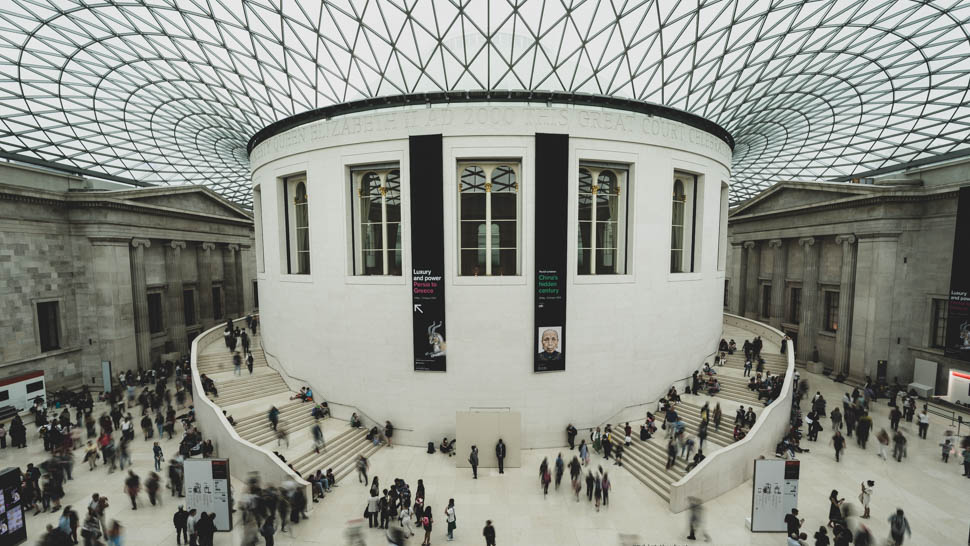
x=933, y=494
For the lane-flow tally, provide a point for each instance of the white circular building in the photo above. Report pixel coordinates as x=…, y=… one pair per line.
x=556, y=255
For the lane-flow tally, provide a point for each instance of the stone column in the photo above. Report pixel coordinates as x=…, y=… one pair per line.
x=779, y=268
x=846, y=289
x=240, y=286
x=751, y=291
x=176, y=300
x=872, y=336
x=203, y=261
x=230, y=255
x=139, y=296
x=807, y=327
x=742, y=279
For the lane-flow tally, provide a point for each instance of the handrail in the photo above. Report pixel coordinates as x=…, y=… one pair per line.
x=252, y=457
x=330, y=402
x=720, y=481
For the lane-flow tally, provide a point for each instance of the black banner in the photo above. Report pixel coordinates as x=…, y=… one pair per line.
x=958, y=308
x=427, y=253
x=551, y=183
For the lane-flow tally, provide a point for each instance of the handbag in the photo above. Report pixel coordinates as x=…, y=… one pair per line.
x=366, y=513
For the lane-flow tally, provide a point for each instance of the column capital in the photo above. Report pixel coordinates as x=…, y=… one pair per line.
x=208, y=246
x=141, y=242
x=750, y=244
x=775, y=243
x=233, y=247
x=806, y=241
x=845, y=239
x=177, y=245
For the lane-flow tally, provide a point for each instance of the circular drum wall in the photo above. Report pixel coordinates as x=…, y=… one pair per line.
x=640, y=202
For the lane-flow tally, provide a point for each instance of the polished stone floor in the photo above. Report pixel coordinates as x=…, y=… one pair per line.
x=934, y=495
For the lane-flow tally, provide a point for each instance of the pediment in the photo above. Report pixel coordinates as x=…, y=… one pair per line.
x=195, y=200
x=785, y=197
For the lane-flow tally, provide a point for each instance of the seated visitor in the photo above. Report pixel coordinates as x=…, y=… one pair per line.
x=355, y=420
x=672, y=395
x=738, y=432
x=732, y=346
x=445, y=446
x=698, y=457
x=709, y=370
x=723, y=345
x=713, y=387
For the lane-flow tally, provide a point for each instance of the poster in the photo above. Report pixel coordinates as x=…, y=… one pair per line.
x=958, y=307
x=207, y=489
x=775, y=493
x=551, y=176
x=13, y=528
x=427, y=254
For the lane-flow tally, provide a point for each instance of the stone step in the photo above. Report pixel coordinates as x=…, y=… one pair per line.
x=262, y=418
x=261, y=435
x=340, y=452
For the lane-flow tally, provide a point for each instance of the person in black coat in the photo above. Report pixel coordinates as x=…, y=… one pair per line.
x=489, y=533
x=500, y=455
x=181, y=522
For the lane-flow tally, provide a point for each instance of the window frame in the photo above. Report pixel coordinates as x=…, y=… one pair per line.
x=830, y=310
x=149, y=295
x=356, y=174
x=218, y=301
x=258, y=229
x=488, y=165
x=185, y=308
x=765, y=300
x=938, y=322
x=621, y=172
x=291, y=250
x=57, y=323
x=793, y=312
x=692, y=184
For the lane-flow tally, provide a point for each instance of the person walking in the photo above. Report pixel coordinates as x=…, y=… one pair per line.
x=500, y=455
x=865, y=496
x=236, y=364
x=924, y=423
x=450, y=518
x=717, y=417
x=427, y=521
x=835, y=508
x=899, y=446
x=584, y=452
x=267, y=530
x=362, y=466
x=489, y=533
x=132, y=487
x=571, y=433
x=898, y=525
x=157, y=453
x=249, y=363
x=560, y=469
x=473, y=460
x=318, y=441
x=695, y=520
x=839, y=443
x=606, y=489
x=180, y=521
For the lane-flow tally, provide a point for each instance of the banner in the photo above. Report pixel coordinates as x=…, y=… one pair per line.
x=207, y=489
x=13, y=526
x=427, y=253
x=552, y=196
x=774, y=494
x=958, y=308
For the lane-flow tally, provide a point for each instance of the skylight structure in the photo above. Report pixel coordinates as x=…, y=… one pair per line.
x=170, y=91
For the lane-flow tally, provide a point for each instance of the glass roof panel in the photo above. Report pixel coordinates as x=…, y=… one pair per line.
x=170, y=91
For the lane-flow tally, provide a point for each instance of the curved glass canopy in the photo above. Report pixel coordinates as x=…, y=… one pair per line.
x=170, y=91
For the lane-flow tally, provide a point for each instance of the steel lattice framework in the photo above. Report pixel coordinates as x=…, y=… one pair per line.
x=170, y=91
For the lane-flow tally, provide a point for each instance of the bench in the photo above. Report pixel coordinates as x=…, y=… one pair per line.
x=924, y=391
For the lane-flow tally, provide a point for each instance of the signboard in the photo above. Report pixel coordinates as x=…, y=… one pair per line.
x=207, y=489
x=551, y=176
x=958, y=308
x=13, y=527
x=774, y=494
x=427, y=253
x=22, y=390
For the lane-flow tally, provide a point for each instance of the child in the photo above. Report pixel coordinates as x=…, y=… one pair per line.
x=946, y=450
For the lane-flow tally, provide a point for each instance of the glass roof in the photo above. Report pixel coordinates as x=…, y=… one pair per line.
x=170, y=91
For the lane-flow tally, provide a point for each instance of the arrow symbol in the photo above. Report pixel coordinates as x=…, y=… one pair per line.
x=417, y=308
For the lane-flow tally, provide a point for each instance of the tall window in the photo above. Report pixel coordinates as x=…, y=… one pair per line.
x=766, y=300
x=377, y=219
x=722, y=245
x=258, y=225
x=49, y=325
x=726, y=293
x=831, y=311
x=938, y=326
x=488, y=202
x=255, y=295
x=297, y=218
x=155, y=322
x=216, y=302
x=602, y=221
x=682, y=220
x=794, y=304
x=188, y=305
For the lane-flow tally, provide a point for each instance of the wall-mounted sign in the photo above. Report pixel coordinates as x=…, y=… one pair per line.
x=13, y=527
x=427, y=253
x=551, y=183
x=774, y=494
x=207, y=489
x=958, y=308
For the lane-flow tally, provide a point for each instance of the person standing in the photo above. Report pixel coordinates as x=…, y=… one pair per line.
x=835, y=508
x=157, y=452
x=3, y=437
x=373, y=509
x=268, y=530
x=500, y=455
x=190, y=528
x=489, y=533
x=450, y=518
x=898, y=525
x=584, y=452
x=865, y=496
x=894, y=416
x=180, y=521
x=924, y=423
x=606, y=489
x=571, y=433
x=249, y=363
x=473, y=460
x=427, y=521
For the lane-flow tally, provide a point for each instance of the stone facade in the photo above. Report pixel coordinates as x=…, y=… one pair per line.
x=98, y=251
x=854, y=271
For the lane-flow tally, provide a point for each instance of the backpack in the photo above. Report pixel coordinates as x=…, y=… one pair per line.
x=897, y=526
x=430, y=447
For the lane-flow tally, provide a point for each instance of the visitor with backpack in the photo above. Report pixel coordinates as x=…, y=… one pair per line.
x=898, y=524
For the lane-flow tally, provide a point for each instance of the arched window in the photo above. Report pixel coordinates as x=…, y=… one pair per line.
x=297, y=220
x=488, y=204
x=683, y=223
x=602, y=248
x=378, y=228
